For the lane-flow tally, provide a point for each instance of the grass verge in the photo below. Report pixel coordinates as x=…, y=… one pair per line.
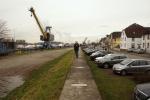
x=111, y=87
x=46, y=82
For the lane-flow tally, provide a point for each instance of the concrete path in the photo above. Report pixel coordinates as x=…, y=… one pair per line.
x=80, y=84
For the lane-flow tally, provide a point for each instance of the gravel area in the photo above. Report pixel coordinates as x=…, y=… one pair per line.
x=14, y=69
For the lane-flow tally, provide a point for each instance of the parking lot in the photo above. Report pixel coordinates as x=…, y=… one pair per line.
x=116, y=86
x=134, y=55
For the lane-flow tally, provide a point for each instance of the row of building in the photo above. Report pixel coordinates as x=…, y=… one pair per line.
x=134, y=36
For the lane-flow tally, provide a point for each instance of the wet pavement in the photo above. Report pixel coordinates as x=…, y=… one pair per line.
x=80, y=84
x=9, y=83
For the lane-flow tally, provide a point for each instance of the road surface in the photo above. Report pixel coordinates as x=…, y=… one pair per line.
x=14, y=69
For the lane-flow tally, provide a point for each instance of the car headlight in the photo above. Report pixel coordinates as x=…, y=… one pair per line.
x=96, y=60
x=118, y=68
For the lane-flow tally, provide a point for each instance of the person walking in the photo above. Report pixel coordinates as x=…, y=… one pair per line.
x=76, y=49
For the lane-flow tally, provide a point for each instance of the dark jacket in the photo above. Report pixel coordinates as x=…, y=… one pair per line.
x=76, y=47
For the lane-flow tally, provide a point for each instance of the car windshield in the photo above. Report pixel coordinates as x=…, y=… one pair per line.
x=97, y=52
x=125, y=62
x=108, y=56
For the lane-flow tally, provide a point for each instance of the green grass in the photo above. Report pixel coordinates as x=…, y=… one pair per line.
x=46, y=82
x=111, y=87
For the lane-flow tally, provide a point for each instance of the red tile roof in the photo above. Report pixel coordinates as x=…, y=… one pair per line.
x=135, y=31
x=148, y=30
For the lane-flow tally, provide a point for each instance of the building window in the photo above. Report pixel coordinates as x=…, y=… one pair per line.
x=147, y=45
x=148, y=36
x=133, y=39
x=139, y=46
x=143, y=37
x=132, y=45
x=143, y=45
x=125, y=45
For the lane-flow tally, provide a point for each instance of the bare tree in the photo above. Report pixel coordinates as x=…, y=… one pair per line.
x=3, y=29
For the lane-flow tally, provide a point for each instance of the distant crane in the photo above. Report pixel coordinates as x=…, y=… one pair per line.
x=84, y=42
x=46, y=35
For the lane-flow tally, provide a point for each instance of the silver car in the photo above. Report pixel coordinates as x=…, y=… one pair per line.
x=139, y=51
x=132, y=66
x=109, y=60
x=142, y=92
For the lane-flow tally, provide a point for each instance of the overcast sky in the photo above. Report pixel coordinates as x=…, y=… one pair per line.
x=71, y=19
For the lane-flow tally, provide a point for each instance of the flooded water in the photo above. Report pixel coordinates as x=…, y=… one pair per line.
x=9, y=83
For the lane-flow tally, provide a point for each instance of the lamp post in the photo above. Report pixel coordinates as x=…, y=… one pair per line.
x=145, y=42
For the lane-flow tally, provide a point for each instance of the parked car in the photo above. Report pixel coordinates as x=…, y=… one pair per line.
x=132, y=66
x=86, y=49
x=97, y=54
x=110, y=59
x=131, y=50
x=142, y=92
x=90, y=51
x=139, y=51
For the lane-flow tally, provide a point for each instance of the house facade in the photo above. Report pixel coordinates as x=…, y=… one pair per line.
x=115, y=40
x=105, y=42
x=131, y=37
x=134, y=36
x=102, y=42
x=129, y=42
x=146, y=40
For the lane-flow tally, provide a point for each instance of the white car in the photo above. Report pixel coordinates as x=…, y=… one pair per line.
x=97, y=59
x=110, y=59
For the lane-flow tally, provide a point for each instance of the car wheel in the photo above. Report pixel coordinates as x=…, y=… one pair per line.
x=123, y=73
x=106, y=65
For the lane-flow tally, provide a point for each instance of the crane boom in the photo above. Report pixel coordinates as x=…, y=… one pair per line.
x=84, y=42
x=36, y=18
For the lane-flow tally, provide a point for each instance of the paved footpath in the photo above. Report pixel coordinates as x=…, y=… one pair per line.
x=80, y=84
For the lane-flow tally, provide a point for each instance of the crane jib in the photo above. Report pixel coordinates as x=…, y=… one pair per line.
x=45, y=36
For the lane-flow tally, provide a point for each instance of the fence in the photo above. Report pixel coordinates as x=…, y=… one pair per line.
x=6, y=48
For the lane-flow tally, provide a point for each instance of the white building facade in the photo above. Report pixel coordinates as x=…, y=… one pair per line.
x=129, y=42
x=146, y=42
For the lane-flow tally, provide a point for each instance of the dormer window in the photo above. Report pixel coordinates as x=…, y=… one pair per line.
x=133, y=39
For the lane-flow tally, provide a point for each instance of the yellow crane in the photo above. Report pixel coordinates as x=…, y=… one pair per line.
x=45, y=35
x=84, y=42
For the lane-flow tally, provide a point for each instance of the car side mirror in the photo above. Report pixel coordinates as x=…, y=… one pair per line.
x=129, y=66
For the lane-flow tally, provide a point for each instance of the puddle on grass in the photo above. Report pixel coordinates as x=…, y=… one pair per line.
x=8, y=83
